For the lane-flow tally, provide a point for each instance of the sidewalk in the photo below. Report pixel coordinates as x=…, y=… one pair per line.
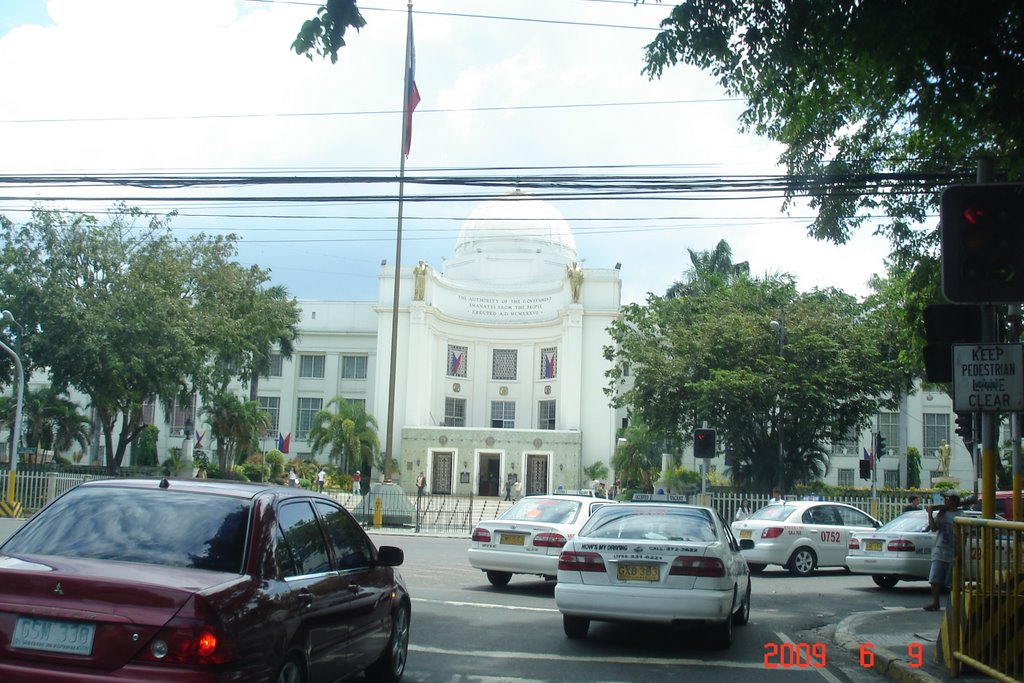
x=894, y=635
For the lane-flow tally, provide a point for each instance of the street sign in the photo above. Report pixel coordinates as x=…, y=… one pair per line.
x=987, y=378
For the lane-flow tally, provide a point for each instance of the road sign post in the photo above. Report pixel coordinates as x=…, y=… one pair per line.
x=987, y=378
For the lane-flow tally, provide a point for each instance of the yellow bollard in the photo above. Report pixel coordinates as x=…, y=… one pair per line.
x=378, y=513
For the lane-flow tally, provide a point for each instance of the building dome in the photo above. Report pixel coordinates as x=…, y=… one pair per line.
x=514, y=224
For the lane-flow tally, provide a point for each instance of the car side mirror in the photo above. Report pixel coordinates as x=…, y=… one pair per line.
x=877, y=525
x=746, y=544
x=390, y=556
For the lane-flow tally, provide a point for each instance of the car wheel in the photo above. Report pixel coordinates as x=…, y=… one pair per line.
x=885, y=580
x=802, y=562
x=742, y=616
x=723, y=634
x=391, y=664
x=291, y=672
x=499, y=579
x=756, y=567
x=575, y=627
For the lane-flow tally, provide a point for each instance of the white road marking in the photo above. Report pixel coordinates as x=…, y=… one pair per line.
x=588, y=659
x=486, y=605
x=825, y=673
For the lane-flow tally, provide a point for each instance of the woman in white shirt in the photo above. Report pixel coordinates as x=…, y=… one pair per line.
x=743, y=511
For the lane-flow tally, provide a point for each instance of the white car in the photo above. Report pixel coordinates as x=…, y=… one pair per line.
x=901, y=550
x=528, y=537
x=656, y=563
x=800, y=536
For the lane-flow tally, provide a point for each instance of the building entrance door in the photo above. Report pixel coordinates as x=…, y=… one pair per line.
x=488, y=480
x=536, y=474
x=441, y=472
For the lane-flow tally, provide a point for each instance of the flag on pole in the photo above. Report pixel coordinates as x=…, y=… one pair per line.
x=199, y=438
x=867, y=456
x=412, y=93
x=283, y=441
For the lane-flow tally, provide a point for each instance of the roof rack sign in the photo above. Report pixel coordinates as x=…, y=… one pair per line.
x=660, y=498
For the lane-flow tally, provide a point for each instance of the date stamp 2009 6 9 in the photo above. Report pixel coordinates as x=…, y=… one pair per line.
x=815, y=655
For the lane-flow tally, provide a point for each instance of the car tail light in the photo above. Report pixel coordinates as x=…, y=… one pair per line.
x=481, y=535
x=185, y=641
x=772, y=532
x=901, y=545
x=571, y=561
x=697, y=566
x=549, y=540
x=854, y=544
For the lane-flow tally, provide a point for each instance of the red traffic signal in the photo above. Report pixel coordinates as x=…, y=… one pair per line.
x=982, y=229
x=704, y=442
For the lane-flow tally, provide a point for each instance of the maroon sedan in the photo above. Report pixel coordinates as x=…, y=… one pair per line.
x=196, y=580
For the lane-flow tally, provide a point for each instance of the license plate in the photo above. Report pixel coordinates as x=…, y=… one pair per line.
x=873, y=546
x=53, y=636
x=512, y=539
x=638, y=572
x=746, y=533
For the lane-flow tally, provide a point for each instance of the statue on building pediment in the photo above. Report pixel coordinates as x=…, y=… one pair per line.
x=575, y=275
x=420, y=281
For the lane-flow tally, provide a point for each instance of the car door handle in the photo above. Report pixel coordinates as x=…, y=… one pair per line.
x=306, y=597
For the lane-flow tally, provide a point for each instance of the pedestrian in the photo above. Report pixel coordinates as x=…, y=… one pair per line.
x=201, y=473
x=356, y=478
x=508, y=488
x=293, y=478
x=516, y=488
x=913, y=503
x=321, y=479
x=940, y=520
x=776, y=498
x=421, y=484
x=743, y=511
x=602, y=491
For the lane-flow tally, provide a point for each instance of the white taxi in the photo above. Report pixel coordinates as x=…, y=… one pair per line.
x=527, y=538
x=801, y=535
x=656, y=563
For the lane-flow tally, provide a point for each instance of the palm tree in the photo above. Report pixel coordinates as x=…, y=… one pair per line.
x=52, y=421
x=709, y=270
x=637, y=458
x=279, y=329
x=236, y=426
x=349, y=434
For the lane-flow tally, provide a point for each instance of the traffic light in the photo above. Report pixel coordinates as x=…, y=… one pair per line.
x=945, y=325
x=879, y=445
x=965, y=429
x=982, y=230
x=704, y=443
x=865, y=469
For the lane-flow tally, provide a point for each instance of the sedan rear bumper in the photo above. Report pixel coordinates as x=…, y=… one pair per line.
x=642, y=604
x=865, y=564
x=513, y=562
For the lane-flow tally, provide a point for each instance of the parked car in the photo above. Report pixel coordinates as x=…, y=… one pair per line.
x=656, y=563
x=901, y=550
x=800, y=535
x=527, y=538
x=1004, y=504
x=199, y=580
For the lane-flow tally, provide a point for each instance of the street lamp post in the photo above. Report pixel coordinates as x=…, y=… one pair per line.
x=779, y=328
x=19, y=390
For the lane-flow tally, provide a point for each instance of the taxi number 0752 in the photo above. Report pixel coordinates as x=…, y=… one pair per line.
x=831, y=537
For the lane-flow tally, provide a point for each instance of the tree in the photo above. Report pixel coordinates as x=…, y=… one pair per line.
x=913, y=468
x=348, y=433
x=595, y=471
x=712, y=357
x=324, y=34
x=52, y=421
x=877, y=104
x=125, y=312
x=236, y=426
x=637, y=459
x=709, y=270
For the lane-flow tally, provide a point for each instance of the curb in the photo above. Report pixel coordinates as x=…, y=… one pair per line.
x=887, y=664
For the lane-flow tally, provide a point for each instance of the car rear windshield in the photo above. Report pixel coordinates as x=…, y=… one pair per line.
x=651, y=524
x=908, y=521
x=548, y=510
x=158, y=526
x=773, y=513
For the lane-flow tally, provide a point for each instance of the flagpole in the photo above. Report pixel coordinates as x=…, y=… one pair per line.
x=389, y=439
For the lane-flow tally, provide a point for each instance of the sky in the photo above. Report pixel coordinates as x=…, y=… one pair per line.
x=509, y=88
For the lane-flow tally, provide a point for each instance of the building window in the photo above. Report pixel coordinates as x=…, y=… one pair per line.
x=276, y=368
x=849, y=444
x=625, y=369
x=353, y=367
x=503, y=414
x=271, y=405
x=845, y=477
x=148, y=411
x=361, y=402
x=458, y=358
x=454, y=412
x=180, y=414
x=891, y=479
x=936, y=430
x=503, y=364
x=548, y=363
x=545, y=415
x=311, y=366
x=308, y=408
x=889, y=428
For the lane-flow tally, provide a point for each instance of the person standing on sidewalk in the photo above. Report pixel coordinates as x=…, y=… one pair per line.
x=940, y=520
x=356, y=478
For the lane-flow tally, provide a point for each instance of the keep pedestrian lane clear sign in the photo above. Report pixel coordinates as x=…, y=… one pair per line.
x=987, y=378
